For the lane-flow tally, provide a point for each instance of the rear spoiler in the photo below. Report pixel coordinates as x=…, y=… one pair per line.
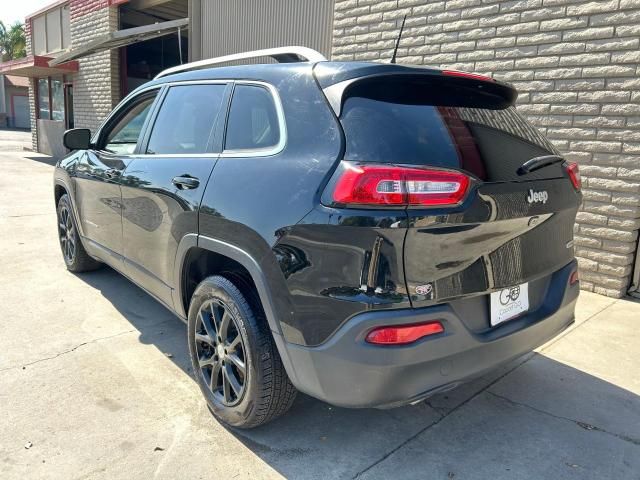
x=336, y=83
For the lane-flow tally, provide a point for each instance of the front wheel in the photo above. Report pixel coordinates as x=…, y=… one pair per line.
x=75, y=256
x=234, y=357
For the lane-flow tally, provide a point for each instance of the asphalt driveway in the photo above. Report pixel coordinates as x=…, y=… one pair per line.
x=95, y=383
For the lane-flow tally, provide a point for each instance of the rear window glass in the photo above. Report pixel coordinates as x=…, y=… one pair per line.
x=489, y=143
x=186, y=119
x=253, y=120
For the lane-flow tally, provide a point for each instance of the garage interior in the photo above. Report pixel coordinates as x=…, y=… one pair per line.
x=141, y=61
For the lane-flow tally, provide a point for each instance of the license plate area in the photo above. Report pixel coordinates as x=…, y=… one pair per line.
x=509, y=303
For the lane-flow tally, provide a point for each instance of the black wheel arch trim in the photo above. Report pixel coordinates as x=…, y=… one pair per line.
x=245, y=259
x=58, y=182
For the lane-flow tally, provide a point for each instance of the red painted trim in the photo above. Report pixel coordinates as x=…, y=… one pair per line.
x=38, y=61
x=6, y=66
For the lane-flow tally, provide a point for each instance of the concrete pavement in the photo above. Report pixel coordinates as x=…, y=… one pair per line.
x=12, y=140
x=95, y=383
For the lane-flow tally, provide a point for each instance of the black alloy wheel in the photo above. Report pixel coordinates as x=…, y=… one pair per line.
x=67, y=234
x=75, y=256
x=221, y=352
x=233, y=354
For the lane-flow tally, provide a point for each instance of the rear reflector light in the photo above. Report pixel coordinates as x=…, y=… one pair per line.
x=392, y=185
x=403, y=334
x=574, y=174
x=473, y=76
x=574, y=277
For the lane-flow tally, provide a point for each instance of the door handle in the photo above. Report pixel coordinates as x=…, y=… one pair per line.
x=112, y=173
x=186, y=182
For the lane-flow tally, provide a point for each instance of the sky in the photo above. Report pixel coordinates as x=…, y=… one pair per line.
x=12, y=10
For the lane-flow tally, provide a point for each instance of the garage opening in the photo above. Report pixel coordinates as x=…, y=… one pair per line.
x=141, y=61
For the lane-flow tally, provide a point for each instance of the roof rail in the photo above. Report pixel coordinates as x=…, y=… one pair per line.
x=281, y=54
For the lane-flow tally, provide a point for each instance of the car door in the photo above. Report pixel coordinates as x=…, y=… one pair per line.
x=98, y=177
x=163, y=185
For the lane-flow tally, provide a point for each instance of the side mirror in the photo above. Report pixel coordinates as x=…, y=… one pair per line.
x=77, y=139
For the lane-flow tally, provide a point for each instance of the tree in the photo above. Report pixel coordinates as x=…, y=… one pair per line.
x=12, y=42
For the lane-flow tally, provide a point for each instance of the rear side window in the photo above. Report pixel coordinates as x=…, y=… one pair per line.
x=186, y=119
x=253, y=120
x=408, y=127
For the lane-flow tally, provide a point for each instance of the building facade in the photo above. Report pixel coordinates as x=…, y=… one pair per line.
x=576, y=65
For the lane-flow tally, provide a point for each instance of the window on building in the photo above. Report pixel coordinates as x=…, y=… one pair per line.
x=186, y=119
x=57, y=100
x=44, y=104
x=50, y=104
x=253, y=120
x=39, y=35
x=51, y=31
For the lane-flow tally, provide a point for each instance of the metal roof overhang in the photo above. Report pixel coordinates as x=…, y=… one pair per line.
x=121, y=38
x=36, y=66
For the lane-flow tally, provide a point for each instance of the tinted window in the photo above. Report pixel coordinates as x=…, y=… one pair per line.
x=490, y=143
x=43, y=98
x=186, y=119
x=253, y=121
x=123, y=137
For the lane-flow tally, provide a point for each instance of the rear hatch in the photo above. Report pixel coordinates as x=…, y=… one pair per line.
x=509, y=228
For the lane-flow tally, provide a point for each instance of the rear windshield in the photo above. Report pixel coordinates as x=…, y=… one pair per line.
x=401, y=128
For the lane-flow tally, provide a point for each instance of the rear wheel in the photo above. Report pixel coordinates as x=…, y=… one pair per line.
x=234, y=357
x=75, y=256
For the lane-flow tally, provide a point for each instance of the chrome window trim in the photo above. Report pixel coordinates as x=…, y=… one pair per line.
x=258, y=152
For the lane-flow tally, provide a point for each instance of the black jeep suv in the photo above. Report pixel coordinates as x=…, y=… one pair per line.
x=368, y=234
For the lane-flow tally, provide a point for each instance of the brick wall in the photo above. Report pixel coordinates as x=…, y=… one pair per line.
x=96, y=88
x=32, y=91
x=577, y=67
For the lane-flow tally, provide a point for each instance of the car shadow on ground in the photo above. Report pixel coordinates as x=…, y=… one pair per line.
x=535, y=417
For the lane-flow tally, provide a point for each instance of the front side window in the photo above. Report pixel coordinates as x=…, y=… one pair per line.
x=186, y=119
x=253, y=120
x=123, y=137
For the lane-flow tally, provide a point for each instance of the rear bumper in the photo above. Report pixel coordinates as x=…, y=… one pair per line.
x=346, y=371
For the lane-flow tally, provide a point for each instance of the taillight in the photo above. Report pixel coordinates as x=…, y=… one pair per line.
x=574, y=277
x=360, y=184
x=574, y=174
x=403, y=334
x=472, y=76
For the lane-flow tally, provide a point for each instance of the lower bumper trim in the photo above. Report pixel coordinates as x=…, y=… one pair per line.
x=348, y=372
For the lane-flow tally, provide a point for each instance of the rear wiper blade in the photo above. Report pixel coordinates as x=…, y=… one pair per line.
x=537, y=163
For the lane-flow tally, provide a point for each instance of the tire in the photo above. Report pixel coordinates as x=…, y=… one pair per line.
x=265, y=391
x=75, y=256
